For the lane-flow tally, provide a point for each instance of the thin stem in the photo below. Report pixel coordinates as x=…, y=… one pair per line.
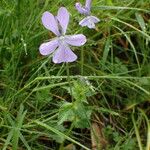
x=137, y=133
x=69, y=81
x=82, y=61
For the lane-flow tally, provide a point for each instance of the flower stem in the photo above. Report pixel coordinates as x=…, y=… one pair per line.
x=82, y=61
x=69, y=81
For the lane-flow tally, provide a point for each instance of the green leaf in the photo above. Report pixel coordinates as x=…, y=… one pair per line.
x=81, y=89
x=75, y=112
x=66, y=113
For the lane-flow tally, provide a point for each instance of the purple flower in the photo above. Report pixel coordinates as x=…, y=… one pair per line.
x=89, y=20
x=59, y=46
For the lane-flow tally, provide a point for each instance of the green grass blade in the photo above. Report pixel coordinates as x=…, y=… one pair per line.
x=131, y=26
x=7, y=142
x=59, y=133
x=137, y=133
x=25, y=142
x=148, y=129
x=141, y=21
x=17, y=127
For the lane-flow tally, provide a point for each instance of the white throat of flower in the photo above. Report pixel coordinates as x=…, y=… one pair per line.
x=61, y=40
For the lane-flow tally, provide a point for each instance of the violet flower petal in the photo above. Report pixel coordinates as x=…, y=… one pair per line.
x=75, y=40
x=50, y=22
x=89, y=21
x=86, y=22
x=81, y=9
x=63, y=18
x=88, y=4
x=94, y=19
x=64, y=54
x=48, y=47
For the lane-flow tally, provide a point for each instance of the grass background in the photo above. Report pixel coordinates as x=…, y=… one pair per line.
x=109, y=84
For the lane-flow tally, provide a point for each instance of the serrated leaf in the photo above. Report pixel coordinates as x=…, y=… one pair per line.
x=66, y=113
x=75, y=112
x=81, y=89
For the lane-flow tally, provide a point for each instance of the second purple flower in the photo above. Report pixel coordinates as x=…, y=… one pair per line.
x=89, y=20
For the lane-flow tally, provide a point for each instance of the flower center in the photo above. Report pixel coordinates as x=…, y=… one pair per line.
x=61, y=40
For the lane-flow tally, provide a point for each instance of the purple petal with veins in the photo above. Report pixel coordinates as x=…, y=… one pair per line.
x=89, y=21
x=81, y=9
x=88, y=4
x=50, y=22
x=64, y=54
x=75, y=40
x=63, y=18
x=48, y=47
x=94, y=19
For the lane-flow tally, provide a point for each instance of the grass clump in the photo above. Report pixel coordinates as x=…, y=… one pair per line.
x=105, y=102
